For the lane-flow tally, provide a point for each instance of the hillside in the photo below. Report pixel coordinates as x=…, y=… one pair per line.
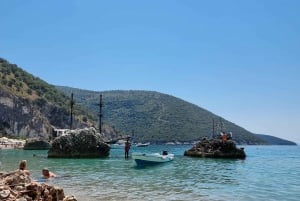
x=271, y=140
x=157, y=117
x=30, y=107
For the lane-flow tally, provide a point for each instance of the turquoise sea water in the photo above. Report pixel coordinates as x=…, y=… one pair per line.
x=268, y=173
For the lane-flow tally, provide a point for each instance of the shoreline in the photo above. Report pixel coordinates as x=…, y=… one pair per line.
x=11, y=146
x=7, y=143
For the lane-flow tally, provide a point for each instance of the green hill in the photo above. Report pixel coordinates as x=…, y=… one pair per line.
x=157, y=117
x=30, y=107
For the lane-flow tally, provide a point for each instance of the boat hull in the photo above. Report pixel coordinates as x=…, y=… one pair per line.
x=117, y=146
x=142, y=145
x=151, y=159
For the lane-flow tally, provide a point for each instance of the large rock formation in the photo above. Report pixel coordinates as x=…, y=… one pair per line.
x=80, y=143
x=216, y=148
x=18, y=185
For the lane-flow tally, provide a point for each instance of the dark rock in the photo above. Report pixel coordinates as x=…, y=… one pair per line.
x=216, y=148
x=81, y=143
x=35, y=144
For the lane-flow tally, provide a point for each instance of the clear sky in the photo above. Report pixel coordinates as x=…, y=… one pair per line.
x=237, y=59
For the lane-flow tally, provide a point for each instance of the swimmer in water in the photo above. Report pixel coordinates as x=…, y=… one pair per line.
x=47, y=174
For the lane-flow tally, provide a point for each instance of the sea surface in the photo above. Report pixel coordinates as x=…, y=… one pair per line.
x=268, y=173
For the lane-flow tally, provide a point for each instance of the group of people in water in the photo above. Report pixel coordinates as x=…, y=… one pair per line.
x=46, y=174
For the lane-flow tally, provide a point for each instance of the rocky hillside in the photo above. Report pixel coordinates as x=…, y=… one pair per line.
x=156, y=117
x=30, y=107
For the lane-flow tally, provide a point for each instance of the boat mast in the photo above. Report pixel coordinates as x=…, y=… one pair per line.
x=71, y=114
x=213, y=134
x=221, y=122
x=100, y=113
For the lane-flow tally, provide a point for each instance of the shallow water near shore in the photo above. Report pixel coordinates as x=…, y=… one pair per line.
x=268, y=173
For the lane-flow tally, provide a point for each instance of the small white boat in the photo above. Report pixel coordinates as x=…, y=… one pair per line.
x=117, y=146
x=142, y=144
x=142, y=159
x=120, y=144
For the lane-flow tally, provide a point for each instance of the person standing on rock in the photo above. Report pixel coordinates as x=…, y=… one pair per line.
x=127, y=148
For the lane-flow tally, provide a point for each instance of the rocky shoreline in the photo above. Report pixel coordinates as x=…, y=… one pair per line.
x=18, y=186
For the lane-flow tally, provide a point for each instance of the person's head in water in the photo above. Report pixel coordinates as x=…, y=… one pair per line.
x=47, y=174
x=22, y=165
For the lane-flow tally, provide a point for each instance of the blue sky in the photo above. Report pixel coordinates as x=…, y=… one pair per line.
x=237, y=59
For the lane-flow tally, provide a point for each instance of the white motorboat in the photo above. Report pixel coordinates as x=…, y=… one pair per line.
x=120, y=144
x=142, y=144
x=117, y=146
x=142, y=159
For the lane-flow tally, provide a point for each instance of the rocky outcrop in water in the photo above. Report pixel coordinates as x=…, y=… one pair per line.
x=80, y=143
x=215, y=148
x=36, y=144
x=19, y=186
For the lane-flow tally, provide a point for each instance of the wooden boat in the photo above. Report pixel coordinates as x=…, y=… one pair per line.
x=142, y=159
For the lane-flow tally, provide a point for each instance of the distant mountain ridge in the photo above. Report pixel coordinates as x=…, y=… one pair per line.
x=271, y=140
x=156, y=117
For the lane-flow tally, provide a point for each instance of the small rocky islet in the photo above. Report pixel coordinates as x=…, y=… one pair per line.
x=79, y=143
x=36, y=144
x=216, y=148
